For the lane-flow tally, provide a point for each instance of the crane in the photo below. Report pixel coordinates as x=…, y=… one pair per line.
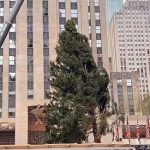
x=10, y=20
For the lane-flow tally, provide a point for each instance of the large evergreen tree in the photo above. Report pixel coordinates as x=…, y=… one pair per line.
x=78, y=90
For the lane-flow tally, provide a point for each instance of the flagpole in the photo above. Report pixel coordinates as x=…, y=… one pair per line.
x=138, y=131
x=147, y=131
x=128, y=134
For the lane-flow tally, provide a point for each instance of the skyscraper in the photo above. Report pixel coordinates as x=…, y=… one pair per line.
x=129, y=39
x=30, y=45
x=112, y=6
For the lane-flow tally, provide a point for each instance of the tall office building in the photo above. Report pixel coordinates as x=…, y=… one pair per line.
x=112, y=6
x=129, y=41
x=28, y=48
x=125, y=91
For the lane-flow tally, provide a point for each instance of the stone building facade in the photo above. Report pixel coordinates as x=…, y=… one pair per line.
x=28, y=48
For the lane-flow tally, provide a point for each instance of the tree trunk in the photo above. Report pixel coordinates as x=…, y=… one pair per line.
x=97, y=138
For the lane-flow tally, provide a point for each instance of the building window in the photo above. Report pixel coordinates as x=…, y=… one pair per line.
x=62, y=21
x=74, y=11
x=62, y=5
x=97, y=9
x=62, y=14
x=73, y=5
x=30, y=60
x=131, y=109
x=129, y=82
x=12, y=68
x=1, y=4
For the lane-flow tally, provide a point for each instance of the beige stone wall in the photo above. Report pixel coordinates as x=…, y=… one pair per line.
x=124, y=37
x=134, y=76
x=22, y=103
x=21, y=78
x=104, y=35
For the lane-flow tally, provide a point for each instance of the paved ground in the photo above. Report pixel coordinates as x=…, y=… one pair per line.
x=103, y=148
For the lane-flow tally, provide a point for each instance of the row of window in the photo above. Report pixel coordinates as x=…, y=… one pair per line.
x=30, y=61
x=46, y=52
x=12, y=69
x=1, y=83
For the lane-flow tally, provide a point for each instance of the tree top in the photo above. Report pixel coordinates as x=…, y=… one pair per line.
x=70, y=26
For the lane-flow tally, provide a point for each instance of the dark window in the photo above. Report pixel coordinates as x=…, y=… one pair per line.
x=45, y=8
x=1, y=4
x=45, y=19
x=1, y=51
x=73, y=5
x=1, y=69
x=100, y=63
x=1, y=77
x=1, y=85
x=98, y=36
x=12, y=77
x=29, y=19
x=46, y=85
x=30, y=27
x=30, y=51
x=29, y=4
x=29, y=35
x=89, y=22
x=30, y=60
x=30, y=39
x=1, y=19
x=30, y=77
x=12, y=52
x=30, y=95
x=12, y=68
x=75, y=20
x=90, y=36
x=62, y=20
x=45, y=4
x=46, y=51
x=45, y=11
x=11, y=114
x=30, y=68
x=30, y=43
x=46, y=61
x=97, y=22
x=12, y=96
x=0, y=105
x=88, y=8
x=45, y=35
x=11, y=4
x=12, y=35
x=62, y=5
x=11, y=103
x=30, y=84
x=96, y=8
x=46, y=69
x=45, y=27
x=46, y=43
x=99, y=50
x=12, y=86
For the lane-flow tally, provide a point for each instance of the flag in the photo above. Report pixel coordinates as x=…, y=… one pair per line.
x=137, y=130
x=128, y=134
x=117, y=132
x=113, y=135
x=147, y=129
